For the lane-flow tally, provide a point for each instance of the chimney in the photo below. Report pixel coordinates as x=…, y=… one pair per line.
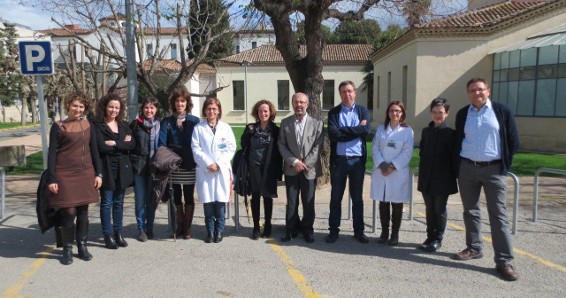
x=73, y=26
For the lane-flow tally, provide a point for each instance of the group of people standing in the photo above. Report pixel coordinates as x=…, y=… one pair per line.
x=102, y=157
x=478, y=152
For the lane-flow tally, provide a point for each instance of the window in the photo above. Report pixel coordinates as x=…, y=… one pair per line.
x=238, y=95
x=283, y=95
x=173, y=51
x=254, y=44
x=328, y=95
x=149, y=50
x=531, y=81
x=237, y=49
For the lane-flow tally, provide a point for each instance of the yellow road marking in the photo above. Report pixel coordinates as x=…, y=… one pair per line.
x=517, y=251
x=33, y=269
x=295, y=274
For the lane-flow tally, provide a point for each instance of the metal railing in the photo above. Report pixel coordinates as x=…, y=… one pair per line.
x=515, y=198
x=535, y=191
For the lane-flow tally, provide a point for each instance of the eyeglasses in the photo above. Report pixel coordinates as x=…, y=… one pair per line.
x=477, y=90
x=396, y=111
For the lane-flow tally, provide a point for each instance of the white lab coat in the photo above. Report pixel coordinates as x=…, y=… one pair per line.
x=209, y=148
x=396, y=146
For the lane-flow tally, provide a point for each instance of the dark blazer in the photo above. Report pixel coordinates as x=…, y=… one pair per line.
x=507, y=133
x=272, y=169
x=437, y=175
x=344, y=134
x=120, y=152
x=179, y=141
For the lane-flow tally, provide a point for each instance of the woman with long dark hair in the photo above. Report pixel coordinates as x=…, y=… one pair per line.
x=115, y=141
x=392, y=151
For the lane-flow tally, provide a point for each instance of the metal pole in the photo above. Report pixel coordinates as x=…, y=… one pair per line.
x=516, y=202
x=3, y=174
x=42, y=116
x=131, y=62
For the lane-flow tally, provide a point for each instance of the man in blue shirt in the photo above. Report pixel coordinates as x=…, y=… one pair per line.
x=486, y=140
x=348, y=126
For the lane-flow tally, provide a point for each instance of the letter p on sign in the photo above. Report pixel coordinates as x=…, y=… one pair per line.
x=35, y=58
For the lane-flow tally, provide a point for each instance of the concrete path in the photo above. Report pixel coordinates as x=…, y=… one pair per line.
x=241, y=267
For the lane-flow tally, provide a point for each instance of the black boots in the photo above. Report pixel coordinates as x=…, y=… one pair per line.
x=255, y=204
x=120, y=239
x=384, y=218
x=396, y=217
x=109, y=242
x=81, y=235
x=67, y=238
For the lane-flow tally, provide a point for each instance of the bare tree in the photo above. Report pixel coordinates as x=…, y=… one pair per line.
x=103, y=61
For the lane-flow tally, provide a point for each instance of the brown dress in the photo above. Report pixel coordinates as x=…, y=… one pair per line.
x=73, y=158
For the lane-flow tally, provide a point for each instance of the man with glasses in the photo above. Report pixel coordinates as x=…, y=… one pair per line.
x=486, y=140
x=347, y=130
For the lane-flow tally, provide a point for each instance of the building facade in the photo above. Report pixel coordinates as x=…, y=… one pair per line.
x=494, y=42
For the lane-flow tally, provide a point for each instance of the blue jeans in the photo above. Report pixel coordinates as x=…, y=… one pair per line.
x=340, y=169
x=111, y=200
x=214, y=217
x=145, y=213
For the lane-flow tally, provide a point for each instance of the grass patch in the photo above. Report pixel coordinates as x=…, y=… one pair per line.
x=524, y=163
x=34, y=165
x=8, y=125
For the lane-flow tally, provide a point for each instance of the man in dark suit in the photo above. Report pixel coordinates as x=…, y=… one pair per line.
x=300, y=145
x=347, y=130
x=486, y=140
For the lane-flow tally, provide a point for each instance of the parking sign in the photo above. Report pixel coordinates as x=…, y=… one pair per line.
x=35, y=57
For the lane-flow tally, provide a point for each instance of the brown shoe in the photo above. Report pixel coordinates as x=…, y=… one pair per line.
x=467, y=254
x=507, y=271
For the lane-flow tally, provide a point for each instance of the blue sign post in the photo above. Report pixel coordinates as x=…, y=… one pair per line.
x=35, y=57
x=36, y=60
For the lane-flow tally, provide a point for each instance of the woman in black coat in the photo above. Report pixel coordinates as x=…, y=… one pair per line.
x=437, y=175
x=114, y=140
x=264, y=163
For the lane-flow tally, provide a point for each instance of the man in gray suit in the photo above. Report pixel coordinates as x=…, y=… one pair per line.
x=300, y=145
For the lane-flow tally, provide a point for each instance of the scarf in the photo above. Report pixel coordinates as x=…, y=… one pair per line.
x=153, y=127
x=180, y=119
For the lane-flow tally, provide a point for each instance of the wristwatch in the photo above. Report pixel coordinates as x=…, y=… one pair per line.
x=100, y=175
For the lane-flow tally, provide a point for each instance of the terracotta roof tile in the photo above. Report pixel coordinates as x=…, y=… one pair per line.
x=173, y=66
x=488, y=16
x=332, y=54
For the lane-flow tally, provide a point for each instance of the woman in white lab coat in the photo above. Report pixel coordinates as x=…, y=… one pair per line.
x=392, y=150
x=213, y=145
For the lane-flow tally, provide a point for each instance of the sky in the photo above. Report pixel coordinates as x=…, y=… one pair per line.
x=33, y=17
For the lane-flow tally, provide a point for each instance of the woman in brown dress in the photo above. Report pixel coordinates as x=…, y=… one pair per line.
x=74, y=174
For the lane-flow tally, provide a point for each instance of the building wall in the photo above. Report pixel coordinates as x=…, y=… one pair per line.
x=243, y=42
x=262, y=84
x=441, y=67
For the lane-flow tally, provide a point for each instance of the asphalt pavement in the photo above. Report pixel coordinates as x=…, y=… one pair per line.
x=241, y=267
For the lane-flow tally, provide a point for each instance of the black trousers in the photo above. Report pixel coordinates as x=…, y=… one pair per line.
x=436, y=216
x=295, y=186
